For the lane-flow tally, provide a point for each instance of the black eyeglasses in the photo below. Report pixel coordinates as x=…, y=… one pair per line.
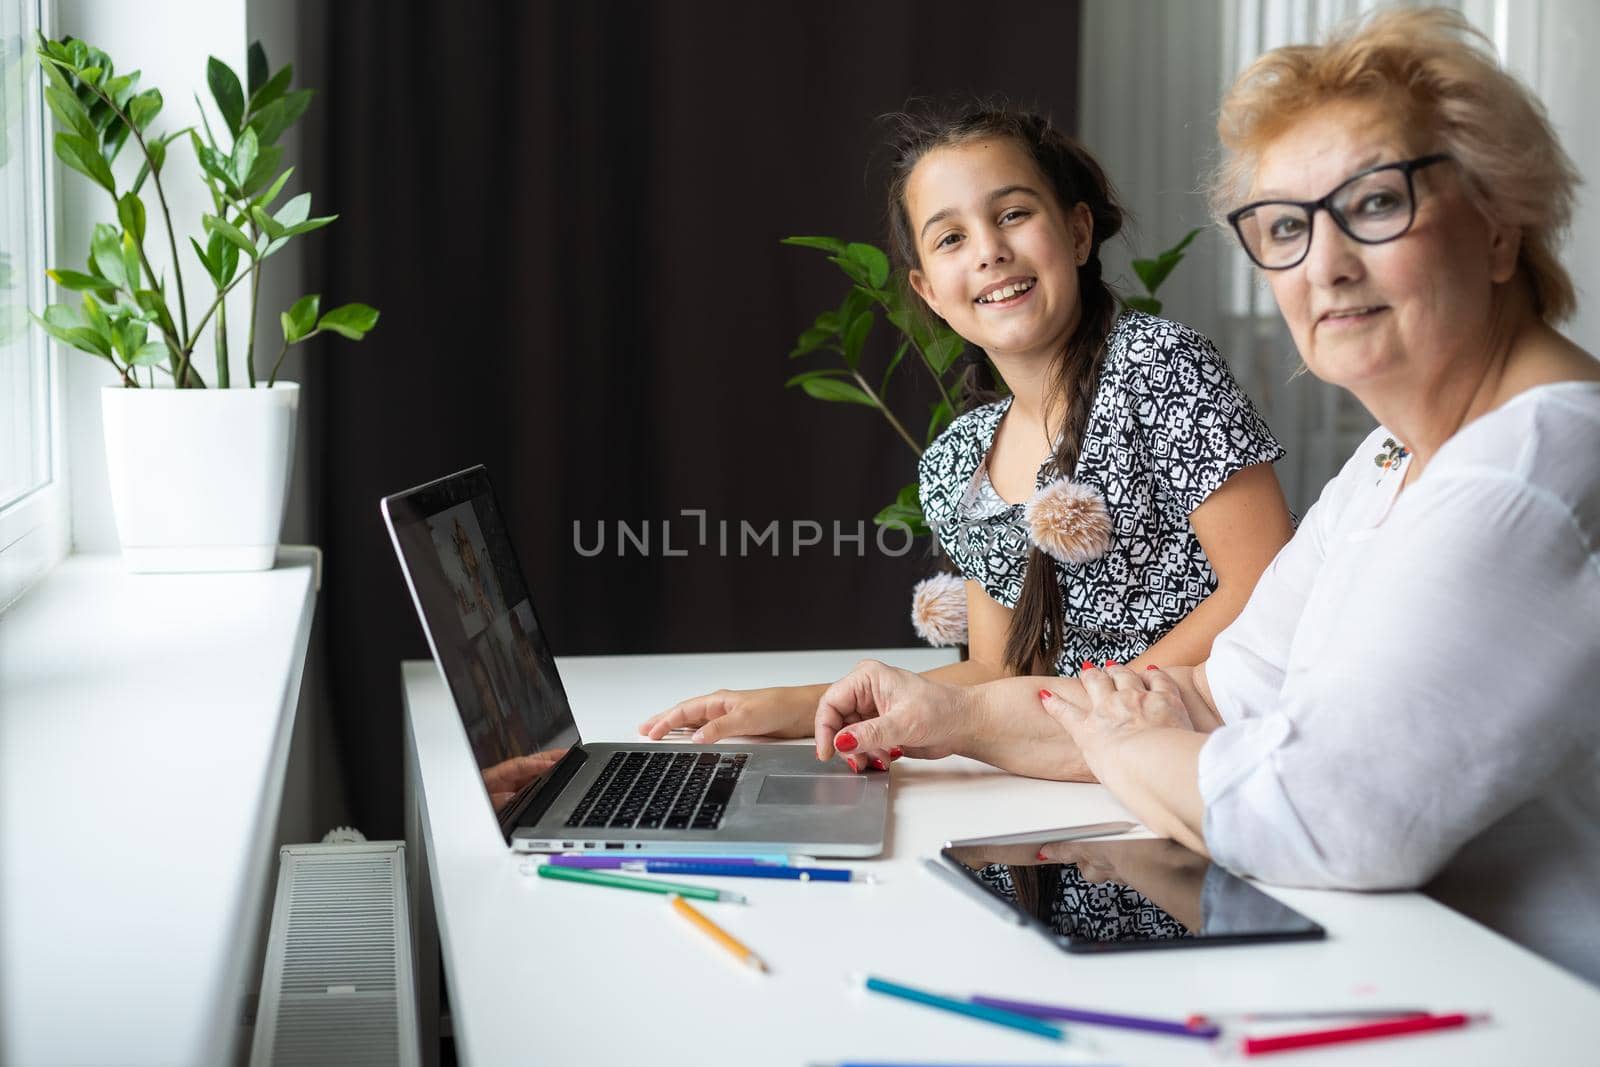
x=1377, y=205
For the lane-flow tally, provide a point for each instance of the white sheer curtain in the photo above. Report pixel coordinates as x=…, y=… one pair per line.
x=1151, y=76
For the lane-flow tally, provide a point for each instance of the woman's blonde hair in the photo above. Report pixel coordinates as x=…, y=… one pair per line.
x=1442, y=77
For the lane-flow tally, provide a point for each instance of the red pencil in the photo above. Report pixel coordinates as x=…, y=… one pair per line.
x=1255, y=1046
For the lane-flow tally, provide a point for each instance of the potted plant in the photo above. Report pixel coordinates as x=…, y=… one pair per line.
x=199, y=470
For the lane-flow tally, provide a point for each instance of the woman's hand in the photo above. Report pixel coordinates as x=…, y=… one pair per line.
x=782, y=711
x=877, y=713
x=1138, y=737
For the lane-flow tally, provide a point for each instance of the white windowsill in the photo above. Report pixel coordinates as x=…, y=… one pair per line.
x=145, y=723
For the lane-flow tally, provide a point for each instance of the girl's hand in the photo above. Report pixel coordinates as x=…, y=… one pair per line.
x=1116, y=703
x=782, y=711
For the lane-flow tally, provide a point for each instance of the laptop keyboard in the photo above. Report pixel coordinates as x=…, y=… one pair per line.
x=661, y=791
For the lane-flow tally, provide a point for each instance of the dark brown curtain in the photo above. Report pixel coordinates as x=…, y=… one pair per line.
x=569, y=215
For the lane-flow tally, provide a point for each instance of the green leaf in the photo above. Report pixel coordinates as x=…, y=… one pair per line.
x=267, y=223
x=872, y=261
x=294, y=211
x=243, y=159
x=144, y=107
x=941, y=417
x=857, y=272
x=72, y=279
x=351, y=321
x=205, y=260
x=256, y=67
x=270, y=122
x=909, y=496
x=130, y=212
x=106, y=248
x=811, y=340
x=826, y=244
x=908, y=514
x=79, y=337
x=225, y=91
x=266, y=163
x=120, y=89
x=266, y=198
x=214, y=163
x=70, y=112
x=148, y=354
x=894, y=361
x=1178, y=248
x=830, y=321
x=62, y=316
x=84, y=157
x=836, y=391
x=131, y=261
x=270, y=90
x=157, y=150
x=154, y=304
x=300, y=319
x=1147, y=304
x=800, y=379
x=310, y=224
x=230, y=233
x=115, y=136
x=944, y=350
x=855, y=336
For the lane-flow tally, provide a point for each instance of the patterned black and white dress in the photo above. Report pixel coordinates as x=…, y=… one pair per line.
x=1168, y=425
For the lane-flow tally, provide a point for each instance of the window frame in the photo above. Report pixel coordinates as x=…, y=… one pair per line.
x=35, y=530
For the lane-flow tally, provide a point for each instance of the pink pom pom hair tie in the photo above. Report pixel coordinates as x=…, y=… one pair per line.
x=1069, y=521
x=939, y=610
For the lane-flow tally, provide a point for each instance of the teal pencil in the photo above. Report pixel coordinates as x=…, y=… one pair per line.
x=642, y=885
x=961, y=1007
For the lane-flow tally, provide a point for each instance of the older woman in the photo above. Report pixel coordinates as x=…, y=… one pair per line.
x=1412, y=693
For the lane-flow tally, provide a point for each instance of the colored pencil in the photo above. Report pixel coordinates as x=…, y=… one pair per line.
x=1233, y=1018
x=736, y=870
x=612, y=860
x=972, y=1011
x=1255, y=1046
x=717, y=933
x=1101, y=1018
x=643, y=885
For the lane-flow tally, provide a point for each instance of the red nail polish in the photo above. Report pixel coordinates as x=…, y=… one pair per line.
x=1045, y=694
x=845, y=742
x=896, y=752
x=852, y=763
x=878, y=764
x=1086, y=664
x=1042, y=856
x=1152, y=667
x=1112, y=663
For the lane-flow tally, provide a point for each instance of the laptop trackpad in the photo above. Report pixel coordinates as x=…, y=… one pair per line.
x=810, y=789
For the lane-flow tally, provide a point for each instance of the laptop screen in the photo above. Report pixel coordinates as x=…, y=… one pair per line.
x=486, y=638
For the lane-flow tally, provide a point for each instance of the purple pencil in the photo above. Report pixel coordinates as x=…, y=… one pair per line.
x=1100, y=1018
x=615, y=862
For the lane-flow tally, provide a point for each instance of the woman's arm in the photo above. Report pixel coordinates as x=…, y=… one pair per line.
x=1241, y=526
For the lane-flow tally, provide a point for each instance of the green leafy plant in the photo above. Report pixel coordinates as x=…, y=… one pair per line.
x=125, y=315
x=844, y=331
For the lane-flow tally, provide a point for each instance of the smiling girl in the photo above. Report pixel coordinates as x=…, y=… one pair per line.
x=1118, y=504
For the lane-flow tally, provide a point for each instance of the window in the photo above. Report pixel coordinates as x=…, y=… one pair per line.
x=33, y=530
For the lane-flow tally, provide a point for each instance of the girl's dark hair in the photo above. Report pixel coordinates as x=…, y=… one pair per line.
x=1035, y=638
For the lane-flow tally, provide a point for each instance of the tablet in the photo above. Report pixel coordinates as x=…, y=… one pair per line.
x=1109, y=896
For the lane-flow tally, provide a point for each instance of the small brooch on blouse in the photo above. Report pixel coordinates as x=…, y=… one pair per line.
x=1390, y=457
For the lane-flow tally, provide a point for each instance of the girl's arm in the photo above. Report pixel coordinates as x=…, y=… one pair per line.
x=788, y=711
x=1241, y=526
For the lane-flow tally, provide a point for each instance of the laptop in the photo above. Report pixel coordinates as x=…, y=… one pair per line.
x=550, y=790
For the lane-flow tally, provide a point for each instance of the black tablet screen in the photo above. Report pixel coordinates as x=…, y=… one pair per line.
x=1101, y=895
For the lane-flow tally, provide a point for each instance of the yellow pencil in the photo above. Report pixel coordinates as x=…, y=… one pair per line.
x=718, y=934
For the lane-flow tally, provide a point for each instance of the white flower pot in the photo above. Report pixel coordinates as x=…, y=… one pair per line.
x=199, y=477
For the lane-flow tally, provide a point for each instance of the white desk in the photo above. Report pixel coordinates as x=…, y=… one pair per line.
x=145, y=723
x=550, y=973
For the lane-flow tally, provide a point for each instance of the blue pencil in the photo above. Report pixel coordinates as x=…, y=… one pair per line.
x=738, y=870
x=980, y=1012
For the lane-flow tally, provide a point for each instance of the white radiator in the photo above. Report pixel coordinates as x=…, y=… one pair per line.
x=338, y=987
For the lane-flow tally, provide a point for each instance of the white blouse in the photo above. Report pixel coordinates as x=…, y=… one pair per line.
x=1418, y=675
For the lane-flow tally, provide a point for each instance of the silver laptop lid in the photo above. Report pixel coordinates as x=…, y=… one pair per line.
x=480, y=623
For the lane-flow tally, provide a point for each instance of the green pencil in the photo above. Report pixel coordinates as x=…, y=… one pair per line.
x=643, y=885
